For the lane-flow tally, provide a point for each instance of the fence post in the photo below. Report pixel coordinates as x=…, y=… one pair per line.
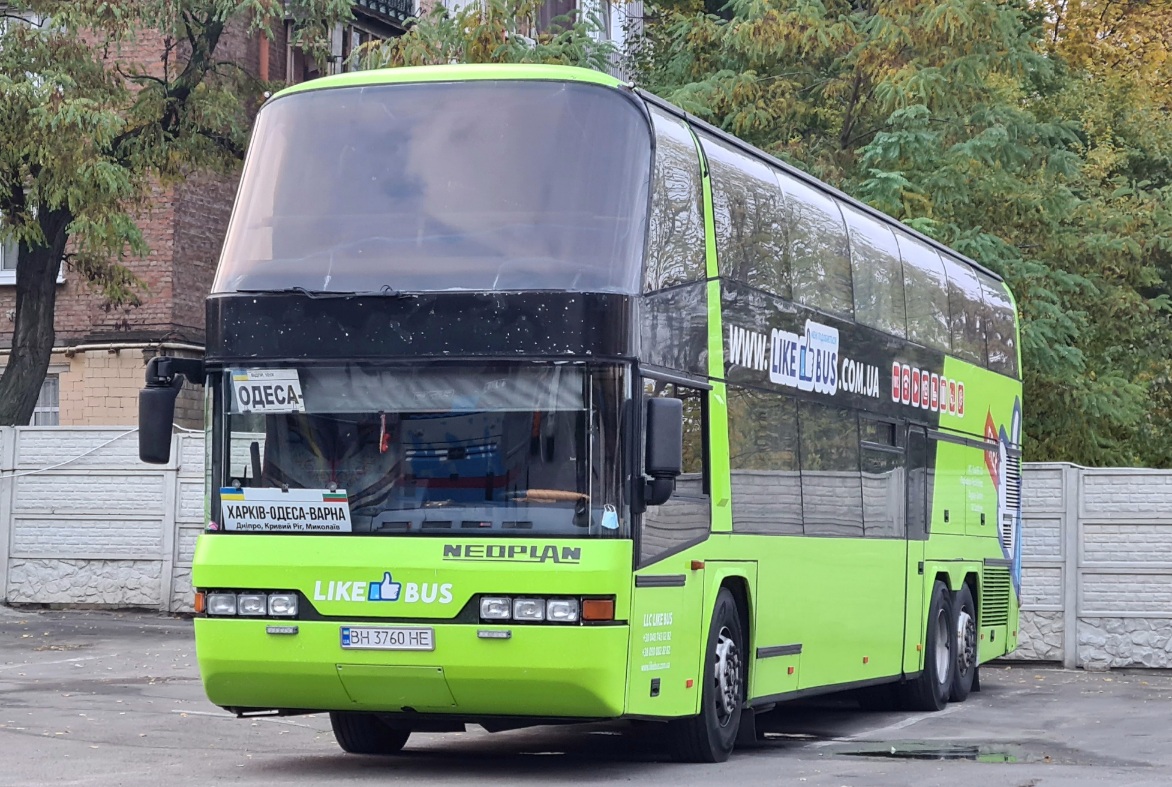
x=170, y=503
x=1072, y=507
x=7, y=489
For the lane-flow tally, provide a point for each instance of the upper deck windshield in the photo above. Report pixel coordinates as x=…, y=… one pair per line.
x=453, y=450
x=479, y=185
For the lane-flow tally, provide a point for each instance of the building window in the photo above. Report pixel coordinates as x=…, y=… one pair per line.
x=48, y=409
x=8, y=259
x=7, y=262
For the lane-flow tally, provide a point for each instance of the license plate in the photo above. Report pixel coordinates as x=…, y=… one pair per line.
x=385, y=638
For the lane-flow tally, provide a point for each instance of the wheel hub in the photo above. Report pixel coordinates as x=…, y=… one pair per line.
x=727, y=677
x=966, y=639
x=943, y=649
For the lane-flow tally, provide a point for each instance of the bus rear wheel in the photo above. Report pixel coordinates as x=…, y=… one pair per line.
x=965, y=625
x=709, y=736
x=366, y=733
x=930, y=691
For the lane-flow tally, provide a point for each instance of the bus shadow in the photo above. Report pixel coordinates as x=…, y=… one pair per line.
x=611, y=750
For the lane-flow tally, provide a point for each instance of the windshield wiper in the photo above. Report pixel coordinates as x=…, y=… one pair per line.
x=386, y=291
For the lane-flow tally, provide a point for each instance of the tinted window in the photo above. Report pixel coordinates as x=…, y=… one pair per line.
x=884, y=488
x=686, y=515
x=926, y=293
x=819, y=259
x=920, y=481
x=675, y=250
x=763, y=454
x=1000, y=326
x=750, y=221
x=674, y=326
x=832, y=498
x=966, y=308
x=443, y=186
x=877, y=273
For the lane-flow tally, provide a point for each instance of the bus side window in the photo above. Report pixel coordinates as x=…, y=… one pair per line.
x=819, y=253
x=877, y=273
x=966, y=308
x=763, y=455
x=1000, y=326
x=884, y=487
x=686, y=516
x=926, y=291
x=675, y=248
x=832, y=494
x=749, y=215
x=919, y=483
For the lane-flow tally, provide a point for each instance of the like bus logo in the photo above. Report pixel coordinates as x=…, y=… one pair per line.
x=387, y=590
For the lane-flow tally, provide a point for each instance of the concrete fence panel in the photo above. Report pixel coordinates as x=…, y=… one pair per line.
x=84, y=523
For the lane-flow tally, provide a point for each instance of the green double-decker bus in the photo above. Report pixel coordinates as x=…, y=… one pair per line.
x=532, y=399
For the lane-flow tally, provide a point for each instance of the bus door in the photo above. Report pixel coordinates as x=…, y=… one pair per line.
x=668, y=596
x=919, y=506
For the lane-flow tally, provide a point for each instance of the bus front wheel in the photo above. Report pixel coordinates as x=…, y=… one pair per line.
x=709, y=736
x=931, y=689
x=366, y=733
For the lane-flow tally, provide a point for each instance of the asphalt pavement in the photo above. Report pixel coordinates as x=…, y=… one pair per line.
x=114, y=698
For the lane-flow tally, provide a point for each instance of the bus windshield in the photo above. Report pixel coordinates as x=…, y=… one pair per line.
x=523, y=450
x=485, y=186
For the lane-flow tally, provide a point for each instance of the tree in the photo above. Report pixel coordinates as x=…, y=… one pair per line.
x=963, y=119
x=493, y=31
x=84, y=135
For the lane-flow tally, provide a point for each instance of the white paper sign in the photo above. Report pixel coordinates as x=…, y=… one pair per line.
x=269, y=510
x=267, y=391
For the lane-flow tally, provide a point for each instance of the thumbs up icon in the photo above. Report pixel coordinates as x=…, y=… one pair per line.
x=385, y=590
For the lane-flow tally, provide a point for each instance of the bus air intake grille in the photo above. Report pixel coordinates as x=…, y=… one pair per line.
x=1012, y=510
x=995, y=597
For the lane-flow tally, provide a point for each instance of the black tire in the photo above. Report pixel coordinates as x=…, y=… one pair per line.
x=964, y=633
x=710, y=735
x=366, y=733
x=930, y=691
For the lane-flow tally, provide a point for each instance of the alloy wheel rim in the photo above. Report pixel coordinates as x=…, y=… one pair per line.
x=943, y=649
x=727, y=677
x=966, y=638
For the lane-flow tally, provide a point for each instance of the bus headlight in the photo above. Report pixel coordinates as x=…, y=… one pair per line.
x=221, y=603
x=495, y=608
x=252, y=604
x=561, y=610
x=529, y=609
x=283, y=605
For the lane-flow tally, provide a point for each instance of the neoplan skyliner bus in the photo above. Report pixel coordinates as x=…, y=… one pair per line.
x=532, y=399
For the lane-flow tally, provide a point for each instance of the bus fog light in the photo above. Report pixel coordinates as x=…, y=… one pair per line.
x=529, y=609
x=495, y=608
x=221, y=603
x=561, y=610
x=283, y=605
x=254, y=604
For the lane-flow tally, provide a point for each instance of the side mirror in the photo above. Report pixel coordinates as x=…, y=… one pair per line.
x=156, y=418
x=156, y=405
x=665, y=448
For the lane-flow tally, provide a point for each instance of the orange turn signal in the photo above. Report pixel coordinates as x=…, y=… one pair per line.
x=597, y=609
x=200, y=603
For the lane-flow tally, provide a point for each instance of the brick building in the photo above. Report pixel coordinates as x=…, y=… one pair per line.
x=100, y=352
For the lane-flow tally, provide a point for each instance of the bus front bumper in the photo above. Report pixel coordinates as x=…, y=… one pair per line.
x=537, y=671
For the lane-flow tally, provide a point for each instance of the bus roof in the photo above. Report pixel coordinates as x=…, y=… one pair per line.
x=534, y=71
x=456, y=73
